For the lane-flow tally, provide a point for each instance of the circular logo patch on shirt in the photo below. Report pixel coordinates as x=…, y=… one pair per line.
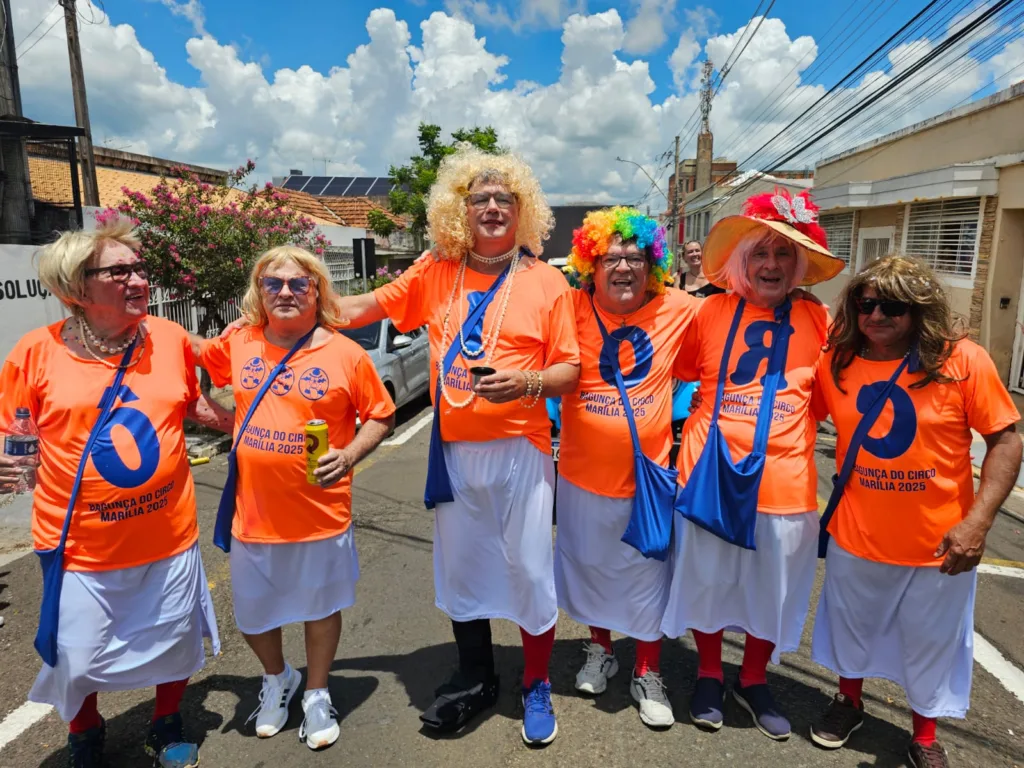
x=284, y=382
x=253, y=373
x=313, y=384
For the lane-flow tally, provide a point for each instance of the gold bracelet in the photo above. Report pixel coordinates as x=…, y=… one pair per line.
x=535, y=384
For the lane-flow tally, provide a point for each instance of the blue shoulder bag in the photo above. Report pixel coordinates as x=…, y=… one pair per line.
x=439, y=485
x=226, y=508
x=863, y=427
x=52, y=560
x=720, y=496
x=649, y=530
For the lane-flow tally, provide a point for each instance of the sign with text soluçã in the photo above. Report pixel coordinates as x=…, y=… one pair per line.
x=24, y=303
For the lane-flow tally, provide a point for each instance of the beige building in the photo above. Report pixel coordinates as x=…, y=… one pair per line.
x=949, y=190
x=707, y=206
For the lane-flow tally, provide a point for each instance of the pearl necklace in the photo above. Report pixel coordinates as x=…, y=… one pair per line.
x=96, y=342
x=501, y=258
x=488, y=341
x=88, y=336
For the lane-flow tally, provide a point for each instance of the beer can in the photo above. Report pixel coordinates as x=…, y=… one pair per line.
x=316, y=446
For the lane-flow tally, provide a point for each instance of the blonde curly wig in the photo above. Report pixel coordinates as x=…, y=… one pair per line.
x=934, y=325
x=446, y=207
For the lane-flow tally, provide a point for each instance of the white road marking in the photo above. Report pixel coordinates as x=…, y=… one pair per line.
x=1001, y=570
x=10, y=557
x=406, y=435
x=997, y=665
x=20, y=720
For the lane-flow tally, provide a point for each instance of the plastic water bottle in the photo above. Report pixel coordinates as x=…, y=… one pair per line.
x=22, y=442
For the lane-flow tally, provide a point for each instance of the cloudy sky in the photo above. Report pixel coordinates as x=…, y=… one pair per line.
x=569, y=84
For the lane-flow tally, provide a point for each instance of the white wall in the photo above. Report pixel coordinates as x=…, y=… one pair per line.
x=24, y=303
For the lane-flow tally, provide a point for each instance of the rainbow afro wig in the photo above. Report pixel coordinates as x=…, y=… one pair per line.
x=591, y=241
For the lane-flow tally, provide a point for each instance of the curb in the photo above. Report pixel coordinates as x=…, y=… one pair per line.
x=210, y=447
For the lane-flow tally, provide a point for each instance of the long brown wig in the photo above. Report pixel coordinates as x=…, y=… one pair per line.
x=934, y=327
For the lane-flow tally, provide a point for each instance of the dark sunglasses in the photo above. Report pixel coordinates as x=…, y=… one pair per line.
x=297, y=285
x=890, y=308
x=121, y=273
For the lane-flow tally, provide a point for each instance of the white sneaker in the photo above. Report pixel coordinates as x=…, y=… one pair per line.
x=650, y=693
x=320, y=728
x=597, y=670
x=275, y=696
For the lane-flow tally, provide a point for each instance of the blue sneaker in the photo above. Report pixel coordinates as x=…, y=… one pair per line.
x=758, y=701
x=166, y=745
x=706, y=703
x=539, y=725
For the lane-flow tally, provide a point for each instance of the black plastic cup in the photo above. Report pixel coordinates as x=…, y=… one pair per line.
x=479, y=372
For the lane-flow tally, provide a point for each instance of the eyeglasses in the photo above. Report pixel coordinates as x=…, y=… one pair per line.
x=482, y=199
x=297, y=285
x=121, y=273
x=890, y=308
x=634, y=261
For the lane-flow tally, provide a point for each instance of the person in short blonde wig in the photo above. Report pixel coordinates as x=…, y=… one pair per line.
x=252, y=302
x=63, y=262
x=446, y=208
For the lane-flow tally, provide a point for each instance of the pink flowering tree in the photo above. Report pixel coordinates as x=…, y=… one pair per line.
x=383, y=276
x=200, y=240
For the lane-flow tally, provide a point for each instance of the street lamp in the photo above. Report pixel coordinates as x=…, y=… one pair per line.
x=631, y=162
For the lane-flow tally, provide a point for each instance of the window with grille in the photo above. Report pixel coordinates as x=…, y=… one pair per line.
x=944, y=234
x=839, y=231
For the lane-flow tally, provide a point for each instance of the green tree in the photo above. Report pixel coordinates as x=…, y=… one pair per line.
x=413, y=181
x=380, y=223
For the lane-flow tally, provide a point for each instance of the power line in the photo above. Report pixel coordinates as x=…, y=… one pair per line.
x=55, y=21
x=37, y=26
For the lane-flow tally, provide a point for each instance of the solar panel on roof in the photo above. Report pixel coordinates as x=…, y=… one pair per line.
x=337, y=186
x=380, y=188
x=360, y=186
x=295, y=182
x=317, y=184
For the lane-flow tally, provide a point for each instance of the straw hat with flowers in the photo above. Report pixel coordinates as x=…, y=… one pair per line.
x=794, y=218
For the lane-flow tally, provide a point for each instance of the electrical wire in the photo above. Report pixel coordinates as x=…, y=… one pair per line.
x=34, y=44
x=37, y=26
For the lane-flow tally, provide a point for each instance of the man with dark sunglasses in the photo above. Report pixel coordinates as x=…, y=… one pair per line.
x=905, y=388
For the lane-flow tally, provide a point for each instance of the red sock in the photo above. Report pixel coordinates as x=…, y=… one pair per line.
x=648, y=657
x=602, y=637
x=709, y=655
x=924, y=730
x=756, y=655
x=851, y=688
x=536, y=654
x=88, y=716
x=168, y=698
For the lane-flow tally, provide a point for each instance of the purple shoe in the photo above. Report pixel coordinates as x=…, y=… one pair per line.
x=706, y=703
x=758, y=701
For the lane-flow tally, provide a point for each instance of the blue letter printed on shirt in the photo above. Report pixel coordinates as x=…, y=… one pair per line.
x=643, y=353
x=904, y=421
x=758, y=350
x=104, y=454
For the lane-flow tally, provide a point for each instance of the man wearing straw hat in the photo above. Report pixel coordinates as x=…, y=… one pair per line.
x=745, y=554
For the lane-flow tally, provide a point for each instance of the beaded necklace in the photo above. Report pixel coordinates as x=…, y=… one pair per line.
x=487, y=342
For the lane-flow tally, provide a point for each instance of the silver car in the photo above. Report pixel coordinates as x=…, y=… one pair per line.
x=402, y=360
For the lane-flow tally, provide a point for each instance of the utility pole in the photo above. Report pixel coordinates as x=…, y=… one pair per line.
x=90, y=187
x=675, y=207
x=16, y=207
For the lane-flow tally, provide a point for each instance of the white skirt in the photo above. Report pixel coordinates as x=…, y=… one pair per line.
x=278, y=584
x=765, y=593
x=492, y=545
x=128, y=629
x=913, y=626
x=599, y=580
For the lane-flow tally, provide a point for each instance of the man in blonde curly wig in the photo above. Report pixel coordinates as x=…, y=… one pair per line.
x=905, y=389
x=502, y=338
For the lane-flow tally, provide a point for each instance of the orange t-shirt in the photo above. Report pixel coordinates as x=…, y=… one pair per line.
x=789, y=482
x=912, y=479
x=136, y=503
x=539, y=330
x=274, y=503
x=596, y=443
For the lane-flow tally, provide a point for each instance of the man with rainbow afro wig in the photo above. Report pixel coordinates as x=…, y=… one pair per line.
x=621, y=259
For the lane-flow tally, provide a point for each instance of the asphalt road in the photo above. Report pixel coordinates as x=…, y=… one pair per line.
x=396, y=647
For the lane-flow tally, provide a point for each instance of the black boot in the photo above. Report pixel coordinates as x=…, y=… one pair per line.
x=474, y=687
